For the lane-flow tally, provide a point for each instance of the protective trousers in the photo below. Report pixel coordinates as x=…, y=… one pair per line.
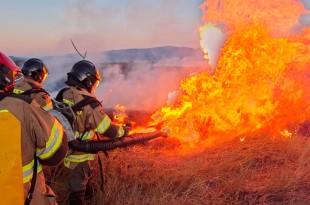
x=77, y=182
x=43, y=194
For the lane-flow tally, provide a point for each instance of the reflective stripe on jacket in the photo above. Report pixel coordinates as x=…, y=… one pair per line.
x=41, y=133
x=53, y=143
x=42, y=98
x=90, y=120
x=28, y=171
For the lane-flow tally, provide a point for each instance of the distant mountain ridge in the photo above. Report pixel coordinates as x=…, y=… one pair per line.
x=122, y=61
x=150, y=55
x=137, y=78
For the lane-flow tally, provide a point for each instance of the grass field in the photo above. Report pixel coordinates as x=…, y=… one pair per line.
x=259, y=170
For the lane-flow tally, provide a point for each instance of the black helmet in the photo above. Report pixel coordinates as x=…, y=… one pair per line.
x=84, y=74
x=36, y=69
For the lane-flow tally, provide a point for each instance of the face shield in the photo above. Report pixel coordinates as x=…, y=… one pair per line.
x=19, y=77
x=98, y=76
x=44, y=77
x=97, y=82
x=94, y=87
x=10, y=74
x=10, y=77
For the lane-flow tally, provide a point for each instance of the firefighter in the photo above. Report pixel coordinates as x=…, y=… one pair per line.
x=35, y=72
x=91, y=122
x=42, y=138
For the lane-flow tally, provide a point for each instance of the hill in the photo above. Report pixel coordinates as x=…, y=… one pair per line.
x=149, y=55
x=136, y=71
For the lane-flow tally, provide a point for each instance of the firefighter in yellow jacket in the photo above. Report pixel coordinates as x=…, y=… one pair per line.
x=43, y=141
x=91, y=122
x=35, y=72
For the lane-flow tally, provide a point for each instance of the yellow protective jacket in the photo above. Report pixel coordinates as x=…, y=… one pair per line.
x=41, y=96
x=41, y=134
x=91, y=122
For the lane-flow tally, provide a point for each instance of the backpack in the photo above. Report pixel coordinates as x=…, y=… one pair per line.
x=11, y=162
x=10, y=153
x=70, y=112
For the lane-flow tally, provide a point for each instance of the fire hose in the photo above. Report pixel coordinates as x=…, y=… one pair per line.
x=103, y=145
x=106, y=145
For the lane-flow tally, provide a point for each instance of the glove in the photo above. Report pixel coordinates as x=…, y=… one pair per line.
x=126, y=130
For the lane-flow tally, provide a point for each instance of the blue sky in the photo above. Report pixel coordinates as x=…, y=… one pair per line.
x=39, y=28
x=36, y=28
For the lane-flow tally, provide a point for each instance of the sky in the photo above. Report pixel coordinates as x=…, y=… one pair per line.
x=37, y=28
x=33, y=28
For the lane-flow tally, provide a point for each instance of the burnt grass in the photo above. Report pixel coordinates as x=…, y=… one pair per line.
x=259, y=170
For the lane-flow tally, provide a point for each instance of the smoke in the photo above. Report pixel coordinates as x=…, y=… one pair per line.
x=136, y=84
x=306, y=3
x=305, y=19
x=212, y=40
x=145, y=86
x=134, y=24
x=114, y=24
x=58, y=67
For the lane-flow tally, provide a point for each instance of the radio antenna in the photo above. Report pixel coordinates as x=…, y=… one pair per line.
x=78, y=51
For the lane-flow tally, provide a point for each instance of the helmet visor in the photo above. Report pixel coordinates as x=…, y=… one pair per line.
x=9, y=77
x=44, y=77
x=94, y=87
x=98, y=76
x=19, y=77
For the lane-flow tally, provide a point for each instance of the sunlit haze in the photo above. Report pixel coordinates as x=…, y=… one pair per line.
x=36, y=28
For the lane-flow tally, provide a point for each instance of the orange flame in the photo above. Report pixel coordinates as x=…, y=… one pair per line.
x=119, y=114
x=276, y=15
x=261, y=83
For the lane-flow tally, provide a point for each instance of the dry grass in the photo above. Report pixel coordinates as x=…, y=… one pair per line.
x=257, y=171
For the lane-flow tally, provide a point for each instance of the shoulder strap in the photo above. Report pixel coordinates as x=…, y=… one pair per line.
x=34, y=90
x=59, y=96
x=33, y=181
x=22, y=97
x=4, y=95
x=93, y=102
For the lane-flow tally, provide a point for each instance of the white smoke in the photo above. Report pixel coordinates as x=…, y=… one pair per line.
x=306, y=4
x=213, y=39
x=135, y=85
x=145, y=87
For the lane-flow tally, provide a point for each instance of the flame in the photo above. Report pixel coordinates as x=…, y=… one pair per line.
x=279, y=16
x=121, y=118
x=119, y=114
x=286, y=133
x=261, y=81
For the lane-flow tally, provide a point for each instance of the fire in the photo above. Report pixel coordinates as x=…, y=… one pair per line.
x=121, y=118
x=119, y=114
x=261, y=81
x=278, y=16
x=286, y=133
